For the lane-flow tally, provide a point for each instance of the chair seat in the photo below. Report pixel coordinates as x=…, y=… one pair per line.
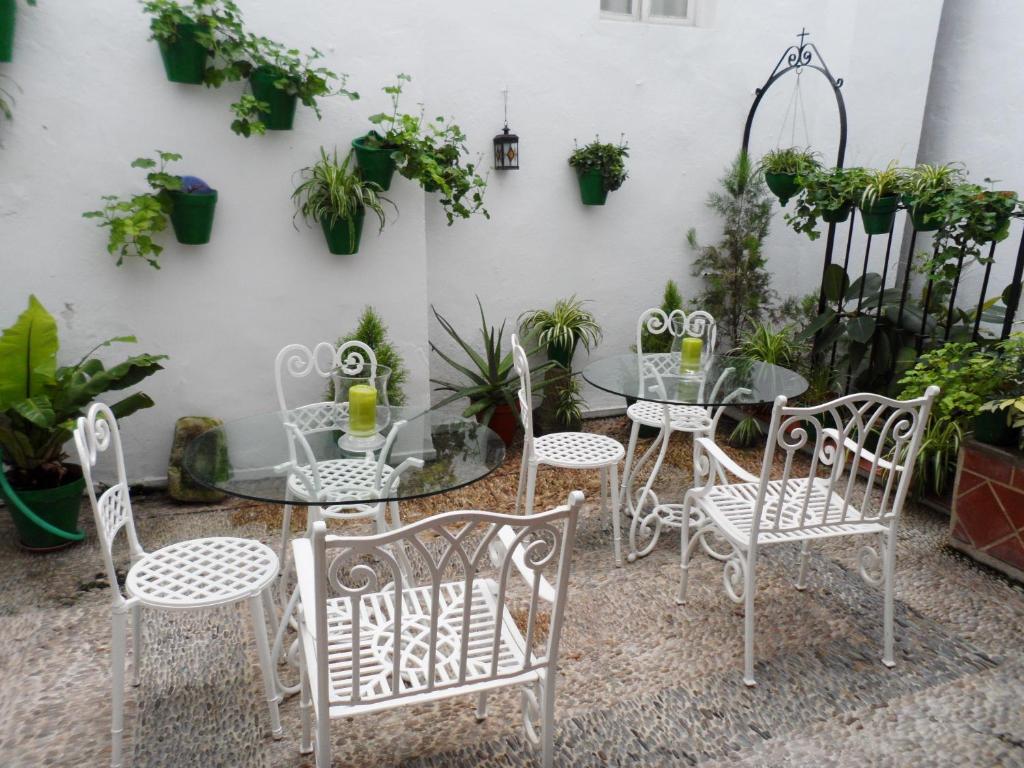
x=377, y=638
x=202, y=572
x=732, y=508
x=682, y=418
x=341, y=480
x=578, y=450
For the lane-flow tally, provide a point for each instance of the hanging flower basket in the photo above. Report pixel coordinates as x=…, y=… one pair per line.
x=837, y=215
x=281, y=114
x=185, y=58
x=878, y=217
x=374, y=159
x=784, y=185
x=592, y=189
x=192, y=215
x=343, y=235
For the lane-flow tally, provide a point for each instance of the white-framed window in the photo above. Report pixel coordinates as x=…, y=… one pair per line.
x=657, y=11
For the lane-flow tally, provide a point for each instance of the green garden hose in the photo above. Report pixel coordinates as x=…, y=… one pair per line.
x=13, y=498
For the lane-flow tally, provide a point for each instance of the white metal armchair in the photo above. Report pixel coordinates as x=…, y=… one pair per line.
x=374, y=639
x=864, y=436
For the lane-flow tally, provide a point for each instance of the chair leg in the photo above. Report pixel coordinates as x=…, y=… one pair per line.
x=604, y=490
x=613, y=491
x=748, y=621
x=627, y=468
x=548, y=720
x=889, y=568
x=305, y=705
x=282, y=555
x=136, y=643
x=522, y=483
x=801, y=576
x=117, y=643
x=323, y=737
x=481, y=706
x=684, y=553
x=266, y=665
x=531, y=487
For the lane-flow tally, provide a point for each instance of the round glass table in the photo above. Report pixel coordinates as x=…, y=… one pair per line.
x=663, y=393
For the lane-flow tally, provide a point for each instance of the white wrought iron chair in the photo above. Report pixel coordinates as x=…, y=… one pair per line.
x=864, y=436
x=569, y=450
x=454, y=632
x=187, y=575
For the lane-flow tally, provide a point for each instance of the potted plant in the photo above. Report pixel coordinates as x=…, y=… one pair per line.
x=188, y=36
x=8, y=12
x=6, y=101
x=490, y=382
x=781, y=167
x=39, y=403
x=999, y=421
x=826, y=194
x=600, y=169
x=372, y=331
x=560, y=331
x=879, y=197
x=186, y=201
x=923, y=191
x=338, y=198
x=430, y=153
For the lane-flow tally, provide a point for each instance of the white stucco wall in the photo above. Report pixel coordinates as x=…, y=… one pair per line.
x=95, y=97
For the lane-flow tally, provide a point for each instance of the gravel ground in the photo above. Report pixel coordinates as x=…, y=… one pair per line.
x=642, y=681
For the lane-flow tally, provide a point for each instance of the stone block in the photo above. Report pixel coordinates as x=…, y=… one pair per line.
x=180, y=485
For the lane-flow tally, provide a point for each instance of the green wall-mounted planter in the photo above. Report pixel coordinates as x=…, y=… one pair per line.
x=992, y=427
x=282, y=105
x=8, y=10
x=375, y=163
x=784, y=185
x=592, y=191
x=192, y=216
x=879, y=216
x=58, y=507
x=340, y=239
x=185, y=58
x=837, y=215
x=919, y=216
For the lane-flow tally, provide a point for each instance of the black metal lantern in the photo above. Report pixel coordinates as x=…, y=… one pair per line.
x=506, y=146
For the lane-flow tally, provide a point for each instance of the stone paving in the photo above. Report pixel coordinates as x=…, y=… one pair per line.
x=642, y=681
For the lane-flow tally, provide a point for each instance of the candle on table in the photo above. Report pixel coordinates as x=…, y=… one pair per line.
x=362, y=409
x=690, y=357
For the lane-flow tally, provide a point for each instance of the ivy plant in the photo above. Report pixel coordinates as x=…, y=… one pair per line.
x=606, y=159
x=824, y=193
x=220, y=31
x=133, y=221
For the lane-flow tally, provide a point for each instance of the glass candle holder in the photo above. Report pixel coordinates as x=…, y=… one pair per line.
x=690, y=353
x=365, y=411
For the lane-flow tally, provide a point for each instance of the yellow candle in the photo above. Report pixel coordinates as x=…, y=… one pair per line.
x=690, y=358
x=362, y=409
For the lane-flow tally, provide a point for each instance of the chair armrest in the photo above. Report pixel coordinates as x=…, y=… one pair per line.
x=721, y=460
x=499, y=549
x=411, y=462
x=861, y=452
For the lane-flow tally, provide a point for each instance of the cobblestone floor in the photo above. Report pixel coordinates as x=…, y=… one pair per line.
x=642, y=681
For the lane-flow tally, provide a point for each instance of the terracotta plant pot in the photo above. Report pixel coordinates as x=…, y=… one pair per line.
x=504, y=421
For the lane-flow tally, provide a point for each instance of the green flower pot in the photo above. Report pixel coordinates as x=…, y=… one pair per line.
x=837, y=215
x=340, y=239
x=592, y=190
x=375, y=163
x=784, y=185
x=993, y=428
x=58, y=506
x=878, y=217
x=281, y=115
x=7, y=13
x=192, y=216
x=185, y=58
x=920, y=215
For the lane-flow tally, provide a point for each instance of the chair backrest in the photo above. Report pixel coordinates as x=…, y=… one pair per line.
x=447, y=641
x=95, y=434
x=522, y=365
x=864, y=437
x=677, y=325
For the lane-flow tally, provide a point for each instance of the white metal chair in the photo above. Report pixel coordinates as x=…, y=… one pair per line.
x=569, y=450
x=188, y=575
x=372, y=639
x=863, y=435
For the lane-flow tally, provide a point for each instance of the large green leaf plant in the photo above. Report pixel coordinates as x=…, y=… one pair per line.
x=40, y=401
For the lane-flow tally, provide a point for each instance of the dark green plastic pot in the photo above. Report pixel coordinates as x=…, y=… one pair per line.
x=878, y=217
x=592, y=190
x=993, y=428
x=837, y=215
x=375, y=163
x=784, y=185
x=8, y=9
x=282, y=105
x=341, y=240
x=57, y=506
x=919, y=216
x=192, y=216
x=185, y=58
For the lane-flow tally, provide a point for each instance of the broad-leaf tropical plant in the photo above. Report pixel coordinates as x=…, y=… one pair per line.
x=40, y=401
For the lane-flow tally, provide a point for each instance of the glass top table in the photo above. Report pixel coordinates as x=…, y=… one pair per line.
x=248, y=457
x=720, y=379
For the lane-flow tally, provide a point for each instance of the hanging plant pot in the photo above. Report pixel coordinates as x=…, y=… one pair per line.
x=879, y=216
x=504, y=421
x=592, y=189
x=784, y=185
x=375, y=162
x=8, y=9
x=281, y=114
x=192, y=216
x=35, y=512
x=837, y=215
x=185, y=58
x=992, y=428
x=920, y=215
x=343, y=239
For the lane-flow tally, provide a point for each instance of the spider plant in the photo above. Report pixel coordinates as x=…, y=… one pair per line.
x=880, y=184
x=562, y=329
x=764, y=343
x=7, y=99
x=569, y=404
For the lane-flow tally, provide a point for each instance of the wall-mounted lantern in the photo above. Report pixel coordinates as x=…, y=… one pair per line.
x=506, y=146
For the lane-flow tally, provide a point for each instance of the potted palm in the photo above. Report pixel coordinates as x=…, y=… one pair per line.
x=490, y=382
x=8, y=12
x=923, y=190
x=600, y=169
x=879, y=197
x=337, y=198
x=39, y=403
x=783, y=167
